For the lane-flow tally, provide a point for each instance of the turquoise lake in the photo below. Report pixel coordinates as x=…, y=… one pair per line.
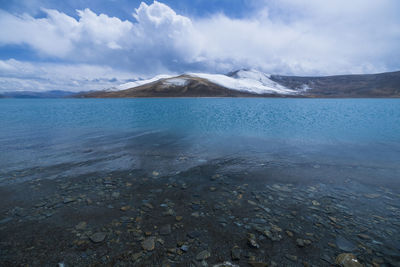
x=291, y=182
x=54, y=137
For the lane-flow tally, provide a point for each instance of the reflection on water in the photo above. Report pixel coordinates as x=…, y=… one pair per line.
x=62, y=137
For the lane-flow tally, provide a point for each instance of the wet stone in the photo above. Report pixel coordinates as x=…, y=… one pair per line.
x=291, y=257
x=203, y=255
x=194, y=234
x=184, y=248
x=345, y=245
x=251, y=240
x=68, y=200
x=81, y=226
x=347, y=260
x=165, y=230
x=149, y=243
x=98, y=237
x=125, y=208
x=148, y=206
x=235, y=253
x=364, y=236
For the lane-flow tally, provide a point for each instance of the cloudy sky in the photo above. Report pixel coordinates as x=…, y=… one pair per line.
x=84, y=45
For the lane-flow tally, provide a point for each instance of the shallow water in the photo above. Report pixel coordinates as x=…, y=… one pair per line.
x=330, y=165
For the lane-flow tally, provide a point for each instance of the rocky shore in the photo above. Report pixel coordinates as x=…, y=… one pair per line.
x=208, y=215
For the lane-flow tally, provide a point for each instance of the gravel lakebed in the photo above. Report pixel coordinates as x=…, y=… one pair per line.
x=217, y=213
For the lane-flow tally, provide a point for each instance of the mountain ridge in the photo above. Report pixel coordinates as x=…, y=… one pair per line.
x=251, y=83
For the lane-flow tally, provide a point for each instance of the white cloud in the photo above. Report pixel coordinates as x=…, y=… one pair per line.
x=25, y=76
x=279, y=36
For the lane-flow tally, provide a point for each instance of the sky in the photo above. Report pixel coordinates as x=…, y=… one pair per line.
x=79, y=45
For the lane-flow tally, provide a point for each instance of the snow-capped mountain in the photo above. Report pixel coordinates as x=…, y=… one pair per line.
x=251, y=81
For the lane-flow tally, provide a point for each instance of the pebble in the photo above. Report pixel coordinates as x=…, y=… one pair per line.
x=235, y=253
x=149, y=243
x=347, y=260
x=165, y=230
x=364, y=236
x=184, y=248
x=291, y=257
x=81, y=226
x=345, y=245
x=125, y=208
x=98, y=237
x=68, y=200
x=148, y=205
x=251, y=241
x=203, y=255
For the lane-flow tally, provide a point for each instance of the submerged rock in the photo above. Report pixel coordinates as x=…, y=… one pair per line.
x=345, y=245
x=165, y=230
x=81, y=226
x=251, y=240
x=347, y=260
x=68, y=200
x=98, y=237
x=235, y=253
x=203, y=255
x=149, y=243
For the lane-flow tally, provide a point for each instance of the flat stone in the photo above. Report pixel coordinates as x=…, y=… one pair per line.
x=315, y=203
x=136, y=256
x=149, y=243
x=203, y=255
x=347, y=260
x=148, y=205
x=333, y=219
x=98, y=237
x=289, y=233
x=345, y=245
x=125, y=208
x=184, y=248
x=81, y=226
x=165, y=230
x=291, y=257
x=68, y=200
x=194, y=234
x=364, y=236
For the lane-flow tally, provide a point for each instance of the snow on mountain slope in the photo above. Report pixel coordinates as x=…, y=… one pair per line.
x=140, y=82
x=243, y=80
x=176, y=81
x=246, y=80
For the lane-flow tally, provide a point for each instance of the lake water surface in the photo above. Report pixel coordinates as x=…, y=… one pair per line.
x=74, y=135
x=344, y=154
